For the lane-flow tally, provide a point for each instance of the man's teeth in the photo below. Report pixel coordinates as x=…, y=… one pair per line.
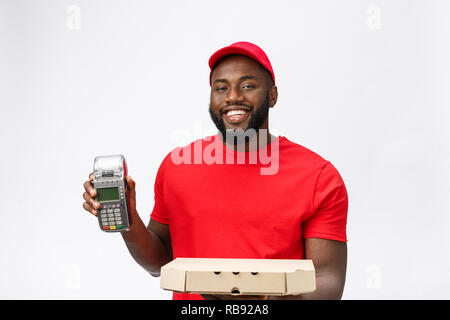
x=235, y=112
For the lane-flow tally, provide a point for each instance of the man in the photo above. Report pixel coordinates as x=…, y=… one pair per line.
x=208, y=204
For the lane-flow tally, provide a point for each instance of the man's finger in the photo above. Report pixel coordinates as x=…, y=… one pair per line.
x=130, y=182
x=88, y=208
x=131, y=187
x=235, y=297
x=210, y=297
x=94, y=204
x=90, y=188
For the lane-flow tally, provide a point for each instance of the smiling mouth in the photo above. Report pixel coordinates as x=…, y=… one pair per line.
x=236, y=116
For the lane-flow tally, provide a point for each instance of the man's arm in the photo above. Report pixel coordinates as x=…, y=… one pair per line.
x=150, y=246
x=330, y=262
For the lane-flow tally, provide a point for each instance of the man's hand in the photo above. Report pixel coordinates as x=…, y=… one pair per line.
x=150, y=247
x=91, y=205
x=330, y=262
x=232, y=297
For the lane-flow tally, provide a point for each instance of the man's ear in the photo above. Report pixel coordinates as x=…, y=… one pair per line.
x=273, y=96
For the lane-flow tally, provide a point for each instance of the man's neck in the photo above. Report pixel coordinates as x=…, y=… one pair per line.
x=255, y=142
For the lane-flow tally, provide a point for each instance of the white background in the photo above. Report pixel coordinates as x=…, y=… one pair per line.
x=363, y=83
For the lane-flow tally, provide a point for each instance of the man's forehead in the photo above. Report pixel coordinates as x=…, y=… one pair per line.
x=238, y=65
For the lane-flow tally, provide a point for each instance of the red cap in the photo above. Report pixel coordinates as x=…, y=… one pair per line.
x=245, y=48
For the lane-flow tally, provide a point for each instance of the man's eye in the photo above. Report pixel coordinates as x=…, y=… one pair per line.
x=249, y=86
x=221, y=88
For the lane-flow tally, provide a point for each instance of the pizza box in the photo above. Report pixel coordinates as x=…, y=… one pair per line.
x=239, y=276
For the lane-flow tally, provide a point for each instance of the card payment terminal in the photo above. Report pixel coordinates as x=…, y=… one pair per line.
x=112, y=194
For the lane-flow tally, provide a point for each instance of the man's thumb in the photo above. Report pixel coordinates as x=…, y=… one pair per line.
x=131, y=188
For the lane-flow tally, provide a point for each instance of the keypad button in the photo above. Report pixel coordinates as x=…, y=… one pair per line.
x=112, y=223
x=110, y=215
x=103, y=211
x=103, y=215
x=113, y=227
x=116, y=210
x=117, y=214
x=110, y=210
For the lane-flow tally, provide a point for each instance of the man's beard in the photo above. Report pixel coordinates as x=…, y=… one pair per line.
x=257, y=118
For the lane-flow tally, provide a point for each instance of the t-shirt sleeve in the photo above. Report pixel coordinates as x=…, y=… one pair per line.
x=330, y=206
x=159, y=212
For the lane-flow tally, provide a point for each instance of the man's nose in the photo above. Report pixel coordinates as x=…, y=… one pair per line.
x=234, y=95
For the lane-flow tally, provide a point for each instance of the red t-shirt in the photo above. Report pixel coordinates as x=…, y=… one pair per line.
x=232, y=210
